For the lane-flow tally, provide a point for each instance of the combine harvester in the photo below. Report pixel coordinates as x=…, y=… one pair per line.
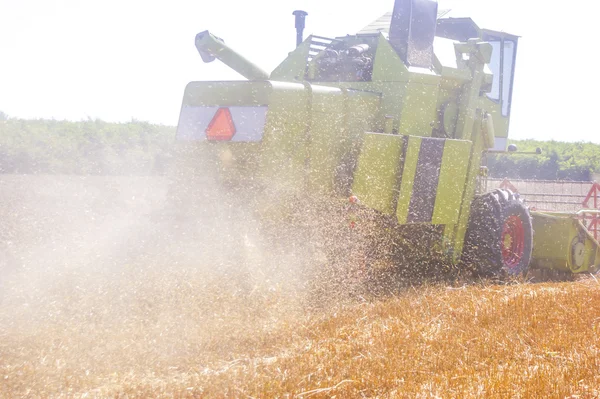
x=394, y=120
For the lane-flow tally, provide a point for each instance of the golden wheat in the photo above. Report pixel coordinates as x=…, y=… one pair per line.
x=178, y=336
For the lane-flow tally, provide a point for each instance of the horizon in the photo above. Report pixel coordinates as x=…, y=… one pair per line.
x=137, y=68
x=133, y=121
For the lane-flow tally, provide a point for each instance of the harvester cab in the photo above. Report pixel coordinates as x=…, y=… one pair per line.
x=501, y=65
x=397, y=115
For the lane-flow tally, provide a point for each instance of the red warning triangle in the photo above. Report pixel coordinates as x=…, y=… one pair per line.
x=221, y=127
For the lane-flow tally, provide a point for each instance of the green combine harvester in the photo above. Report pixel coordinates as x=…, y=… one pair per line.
x=395, y=119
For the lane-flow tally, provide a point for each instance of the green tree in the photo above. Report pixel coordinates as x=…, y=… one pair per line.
x=559, y=160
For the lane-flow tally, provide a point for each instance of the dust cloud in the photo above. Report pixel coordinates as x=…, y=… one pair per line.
x=105, y=275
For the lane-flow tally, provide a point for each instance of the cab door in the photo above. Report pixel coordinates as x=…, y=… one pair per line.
x=502, y=66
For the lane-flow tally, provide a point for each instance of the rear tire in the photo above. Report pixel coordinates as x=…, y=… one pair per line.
x=499, y=238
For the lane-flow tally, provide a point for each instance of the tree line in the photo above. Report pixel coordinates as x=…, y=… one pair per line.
x=136, y=147
x=558, y=161
x=91, y=147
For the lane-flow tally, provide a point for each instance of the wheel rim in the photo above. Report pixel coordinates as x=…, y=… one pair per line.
x=513, y=241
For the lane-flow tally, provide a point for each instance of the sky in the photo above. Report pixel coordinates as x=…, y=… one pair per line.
x=119, y=60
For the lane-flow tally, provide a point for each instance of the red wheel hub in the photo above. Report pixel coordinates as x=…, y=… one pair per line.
x=513, y=241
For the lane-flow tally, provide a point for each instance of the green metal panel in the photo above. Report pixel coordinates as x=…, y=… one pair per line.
x=410, y=95
x=447, y=106
x=469, y=128
x=408, y=178
x=471, y=99
x=473, y=168
x=551, y=241
x=294, y=66
x=311, y=145
x=390, y=77
x=227, y=93
x=388, y=66
x=284, y=148
x=303, y=149
x=451, y=184
x=376, y=176
x=362, y=111
x=592, y=254
x=326, y=134
x=418, y=109
x=392, y=97
x=555, y=244
x=500, y=122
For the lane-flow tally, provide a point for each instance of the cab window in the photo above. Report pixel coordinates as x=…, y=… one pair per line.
x=494, y=65
x=508, y=60
x=501, y=66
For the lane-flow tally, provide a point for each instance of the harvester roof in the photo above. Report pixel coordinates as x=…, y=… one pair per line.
x=451, y=25
x=382, y=24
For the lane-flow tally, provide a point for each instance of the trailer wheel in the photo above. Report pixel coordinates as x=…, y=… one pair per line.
x=499, y=238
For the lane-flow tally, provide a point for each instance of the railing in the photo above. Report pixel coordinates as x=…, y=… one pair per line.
x=579, y=198
x=318, y=44
x=592, y=220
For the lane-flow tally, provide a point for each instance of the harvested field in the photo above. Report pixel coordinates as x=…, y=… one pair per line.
x=88, y=312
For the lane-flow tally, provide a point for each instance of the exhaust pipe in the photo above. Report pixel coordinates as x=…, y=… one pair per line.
x=300, y=22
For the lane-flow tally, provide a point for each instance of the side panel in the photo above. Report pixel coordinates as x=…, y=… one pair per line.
x=409, y=95
x=294, y=66
x=452, y=180
x=501, y=123
x=421, y=180
x=433, y=180
x=376, y=177
x=551, y=242
x=284, y=149
x=229, y=93
x=326, y=134
x=429, y=165
x=563, y=243
x=362, y=110
x=419, y=107
x=409, y=172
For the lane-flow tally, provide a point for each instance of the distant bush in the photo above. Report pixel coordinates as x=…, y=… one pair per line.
x=558, y=161
x=134, y=148
x=87, y=147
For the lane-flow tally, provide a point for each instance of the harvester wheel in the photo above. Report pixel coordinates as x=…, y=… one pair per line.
x=499, y=239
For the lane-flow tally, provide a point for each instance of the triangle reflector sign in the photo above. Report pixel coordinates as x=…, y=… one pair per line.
x=221, y=127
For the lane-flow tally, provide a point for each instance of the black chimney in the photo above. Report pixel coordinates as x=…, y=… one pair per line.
x=300, y=16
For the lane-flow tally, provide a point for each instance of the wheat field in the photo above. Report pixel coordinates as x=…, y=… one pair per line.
x=477, y=341
x=77, y=323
